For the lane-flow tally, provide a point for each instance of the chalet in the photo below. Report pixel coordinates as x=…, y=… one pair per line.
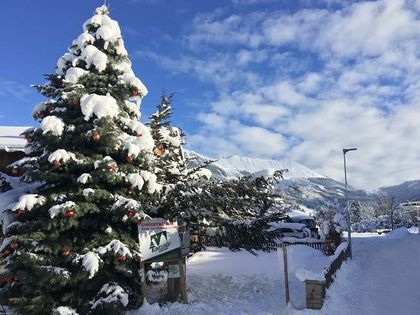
x=12, y=146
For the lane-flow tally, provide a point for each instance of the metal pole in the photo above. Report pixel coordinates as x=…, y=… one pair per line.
x=347, y=200
x=286, y=274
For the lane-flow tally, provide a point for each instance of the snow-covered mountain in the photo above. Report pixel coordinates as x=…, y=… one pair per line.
x=404, y=192
x=300, y=184
x=234, y=166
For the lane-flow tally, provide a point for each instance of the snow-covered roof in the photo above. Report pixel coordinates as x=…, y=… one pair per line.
x=10, y=138
x=299, y=215
x=287, y=225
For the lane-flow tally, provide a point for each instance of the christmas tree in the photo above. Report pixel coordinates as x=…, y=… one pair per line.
x=71, y=245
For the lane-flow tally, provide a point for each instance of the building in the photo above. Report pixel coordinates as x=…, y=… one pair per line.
x=12, y=146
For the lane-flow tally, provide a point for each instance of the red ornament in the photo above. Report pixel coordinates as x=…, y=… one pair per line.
x=135, y=93
x=65, y=252
x=29, y=139
x=130, y=191
x=69, y=214
x=57, y=163
x=139, y=222
x=122, y=258
x=111, y=167
x=75, y=101
x=13, y=245
x=15, y=171
x=20, y=213
x=138, y=135
x=14, y=280
x=129, y=159
x=131, y=213
x=96, y=136
x=50, y=109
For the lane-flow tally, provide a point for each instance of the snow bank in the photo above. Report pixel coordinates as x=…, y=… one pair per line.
x=398, y=234
x=52, y=124
x=99, y=105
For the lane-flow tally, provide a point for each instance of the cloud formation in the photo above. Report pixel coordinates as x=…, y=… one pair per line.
x=303, y=84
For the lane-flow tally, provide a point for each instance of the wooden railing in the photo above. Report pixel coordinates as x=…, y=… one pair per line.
x=326, y=247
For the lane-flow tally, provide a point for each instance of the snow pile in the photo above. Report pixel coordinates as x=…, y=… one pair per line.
x=57, y=270
x=398, y=234
x=116, y=247
x=93, y=56
x=129, y=77
x=84, y=178
x=204, y=172
x=150, y=178
x=136, y=180
x=133, y=150
x=84, y=40
x=413, y=230
x=64, y=310
x=28, y=202
x=99, y=105
x=90, y=262
x=55, y=210
x=73, y=74
x=86, y=192
x=133, y=108
x=63, y=62
x=306, y=262
x=61, y=155
x=171, y=135
x=113, y=293
x=52, y=124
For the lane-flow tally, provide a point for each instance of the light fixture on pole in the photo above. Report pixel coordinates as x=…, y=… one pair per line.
x=347, y=199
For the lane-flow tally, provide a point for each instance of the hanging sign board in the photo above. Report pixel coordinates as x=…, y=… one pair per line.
x=157, y=237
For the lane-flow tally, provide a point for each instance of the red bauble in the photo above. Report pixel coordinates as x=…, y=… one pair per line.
x=122, y=258
x=29, y=139
x=139, y=222
x=57, y=163
x=14, y=280
x=20, y=213
x=135, y=93
x=130, y=159
x=111, y=167
x=75, y=101
x=13, y=245
x=96, y=136
x=138, y=135
x=15, y=171
x=65, y=252
x=69, y=214
x=50, y=109
x=130, y=191
x=131, y=213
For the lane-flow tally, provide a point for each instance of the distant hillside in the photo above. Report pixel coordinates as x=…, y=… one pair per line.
x=407, y=191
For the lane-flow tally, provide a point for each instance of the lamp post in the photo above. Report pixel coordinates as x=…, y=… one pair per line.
x=347, y=199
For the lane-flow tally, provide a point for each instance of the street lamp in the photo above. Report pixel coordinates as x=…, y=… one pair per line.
x=347, y=199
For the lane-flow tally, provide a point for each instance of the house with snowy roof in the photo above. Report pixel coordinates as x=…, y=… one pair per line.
x=12, y=145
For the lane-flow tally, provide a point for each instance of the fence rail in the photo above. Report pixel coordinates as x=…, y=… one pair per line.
x=326, y=247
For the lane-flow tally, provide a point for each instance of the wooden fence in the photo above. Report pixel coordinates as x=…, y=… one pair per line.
x=326, y=247
x=315, y=289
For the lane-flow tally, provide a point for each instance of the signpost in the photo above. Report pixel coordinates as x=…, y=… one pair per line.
x=165, y=241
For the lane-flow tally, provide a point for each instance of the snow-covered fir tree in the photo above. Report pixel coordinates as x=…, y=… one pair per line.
x=331, y=221
x=72, y=244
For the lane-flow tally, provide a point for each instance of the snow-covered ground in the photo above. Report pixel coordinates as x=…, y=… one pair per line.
x=383, y=278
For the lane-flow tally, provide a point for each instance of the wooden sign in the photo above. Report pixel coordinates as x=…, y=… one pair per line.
x=158, y=237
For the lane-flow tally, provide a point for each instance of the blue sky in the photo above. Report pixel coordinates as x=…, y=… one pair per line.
x=265, y=78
